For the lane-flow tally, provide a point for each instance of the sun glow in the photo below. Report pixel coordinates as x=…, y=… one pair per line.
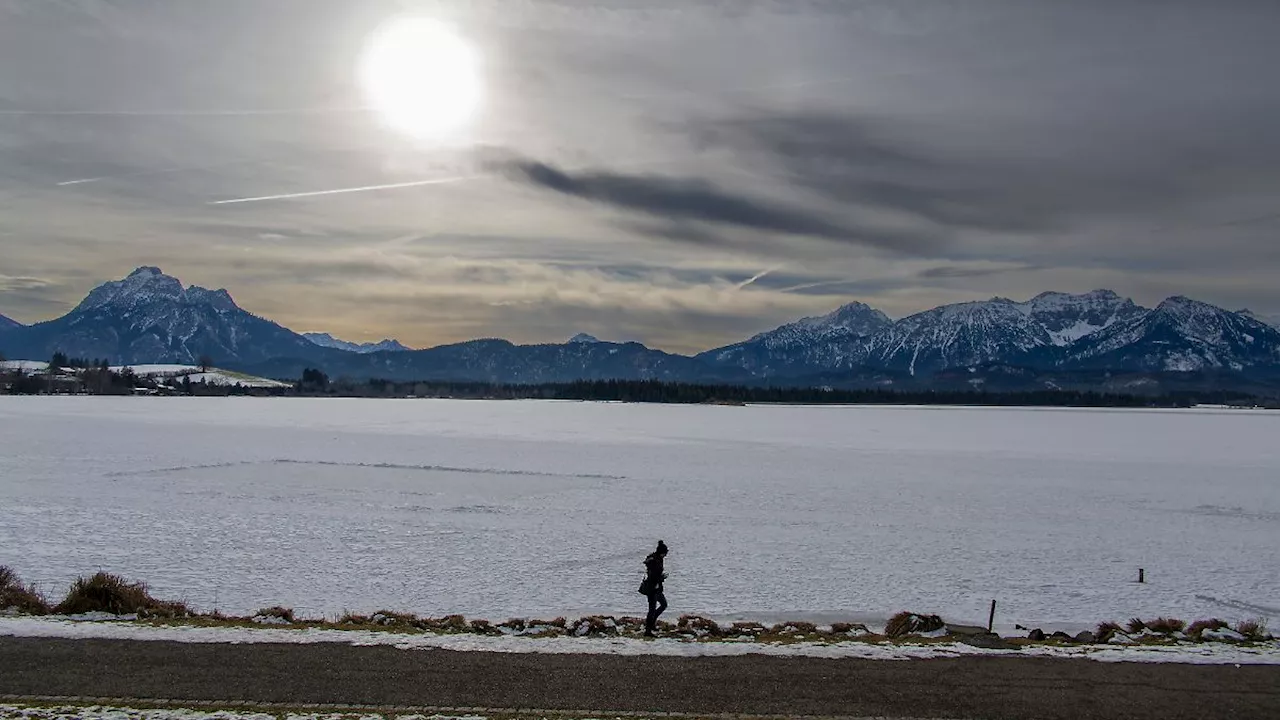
x=422, y=77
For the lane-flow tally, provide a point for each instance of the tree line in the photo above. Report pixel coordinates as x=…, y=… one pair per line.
x=314, y=382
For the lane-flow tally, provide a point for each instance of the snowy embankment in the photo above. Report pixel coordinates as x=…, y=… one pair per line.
x=1180, y=652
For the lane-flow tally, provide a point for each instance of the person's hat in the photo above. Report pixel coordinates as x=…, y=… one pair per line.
x=662, y=548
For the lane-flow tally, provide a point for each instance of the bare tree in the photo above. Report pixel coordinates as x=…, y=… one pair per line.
x=206, y=362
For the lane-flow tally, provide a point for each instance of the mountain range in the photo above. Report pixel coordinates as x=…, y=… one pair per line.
x=329, y=341
x=1097, y=340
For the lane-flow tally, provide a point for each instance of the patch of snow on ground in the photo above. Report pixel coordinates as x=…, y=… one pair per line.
x=25, y=366
x=178, y=373
x=218, y=377
x=76, y=712
x=1202, y=653
x=1221, y=634
x=824, y=514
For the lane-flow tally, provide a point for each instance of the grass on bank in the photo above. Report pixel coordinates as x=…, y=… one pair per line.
x=107, y=593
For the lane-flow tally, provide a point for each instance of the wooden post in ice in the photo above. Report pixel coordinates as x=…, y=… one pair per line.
x=991, y=618
x=1142, y=575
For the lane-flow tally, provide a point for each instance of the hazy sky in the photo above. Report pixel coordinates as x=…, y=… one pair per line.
x=684, y=173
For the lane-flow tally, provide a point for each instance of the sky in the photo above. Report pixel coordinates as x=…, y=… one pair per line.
x=680, y=172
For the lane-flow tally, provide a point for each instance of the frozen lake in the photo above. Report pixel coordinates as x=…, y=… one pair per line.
x=500, y=509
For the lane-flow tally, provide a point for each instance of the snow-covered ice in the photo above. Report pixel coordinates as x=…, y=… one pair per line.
x=501, y=509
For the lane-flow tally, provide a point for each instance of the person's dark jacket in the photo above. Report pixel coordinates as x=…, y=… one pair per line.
x=653, y=572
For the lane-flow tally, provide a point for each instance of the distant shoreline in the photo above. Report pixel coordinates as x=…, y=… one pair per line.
x=88, y=378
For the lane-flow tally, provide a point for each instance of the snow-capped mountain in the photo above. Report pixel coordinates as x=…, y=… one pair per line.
x=1180, y=335
x=996, y=330
x=329, y=341
x=149, y=317
x=1054, y=340
x=811, y=344
x=1068, y=318
x=8, y=323
x=957, y=335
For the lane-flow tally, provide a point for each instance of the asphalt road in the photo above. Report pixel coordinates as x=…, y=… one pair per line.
x=756, y=684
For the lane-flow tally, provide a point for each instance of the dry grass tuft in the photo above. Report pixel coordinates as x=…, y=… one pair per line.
x=699, y=625
x=1106, y=630
x=113, y=594
x=1135, y=626
x=1166, y=626
x=389, y=618
x=908, y=623
x=850, y=629
x=1195, y=629
x=275, y=611
x=16, y=596
x=748, y=628
x=1255, y=629
x=448, y=623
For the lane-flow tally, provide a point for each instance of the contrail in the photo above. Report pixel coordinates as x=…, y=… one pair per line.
x=757, y=276
x=808, y=286
x=162, y=171
x=415, y=183
x=343, y=191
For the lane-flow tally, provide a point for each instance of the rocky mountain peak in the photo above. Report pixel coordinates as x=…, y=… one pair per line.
x=149, y=284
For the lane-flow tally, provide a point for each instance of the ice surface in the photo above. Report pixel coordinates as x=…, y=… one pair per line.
x=537, y=509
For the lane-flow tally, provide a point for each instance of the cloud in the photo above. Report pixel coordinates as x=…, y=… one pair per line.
x=957, y=271
x=677, y=199
x=10, y=283
x=1028, y=184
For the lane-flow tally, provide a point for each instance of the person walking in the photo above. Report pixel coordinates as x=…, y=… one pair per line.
x=652, y=587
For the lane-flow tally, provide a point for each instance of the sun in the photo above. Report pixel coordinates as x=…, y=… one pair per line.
x=422, y=77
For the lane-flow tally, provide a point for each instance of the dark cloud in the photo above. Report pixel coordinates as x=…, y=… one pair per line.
x=675, y=200
x=1025, y=186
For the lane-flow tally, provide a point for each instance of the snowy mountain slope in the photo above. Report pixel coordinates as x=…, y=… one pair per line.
x=150, y=317
x=584, y=338
x=1068, y=318
x=1179, y=335
x=813, y=344
x=1272, y=320
x=957, y=335
x=329, y=341
x=8, y=323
